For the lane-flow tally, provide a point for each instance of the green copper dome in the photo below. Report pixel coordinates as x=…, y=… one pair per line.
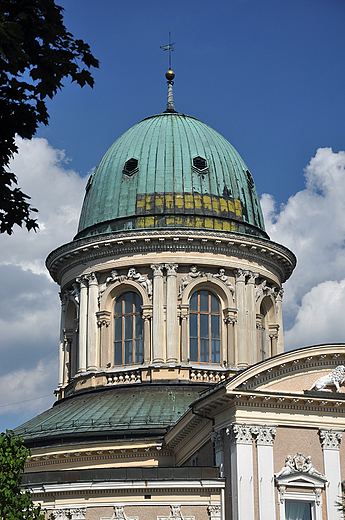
x=171, y=171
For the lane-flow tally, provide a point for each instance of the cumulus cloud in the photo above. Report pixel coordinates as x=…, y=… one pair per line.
x=29, y=303
x=312, y=225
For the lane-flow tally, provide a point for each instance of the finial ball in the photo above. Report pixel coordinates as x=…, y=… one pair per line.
x=170, y=75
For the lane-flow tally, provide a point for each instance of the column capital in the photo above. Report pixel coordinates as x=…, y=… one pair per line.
x=63, y=299
x=92, y=278
x=78, y=513
x=240, y=275
x=330, y=439
x=83, y=280
x=218, y=440
x=214, y=512
x=251, y=276
x=171, y=269
x=240, y=434
x=264, y=435
x=157, y=269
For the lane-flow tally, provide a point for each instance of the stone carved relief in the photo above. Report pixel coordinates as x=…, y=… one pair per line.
x=69, y=514
x=134, y=275
x=264, y=435
x=119, y=514
x=262, y=289
x=299, y=464
x=175, y=514
x=214, y=512
x=334, y=378
x=75, y=293
x=114, y=276
x=225, y=279
x=186, y=280
x=240, y=434
x=240, y=275
x=330, y=439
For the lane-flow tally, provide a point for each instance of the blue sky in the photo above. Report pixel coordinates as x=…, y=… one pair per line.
x=268, y=75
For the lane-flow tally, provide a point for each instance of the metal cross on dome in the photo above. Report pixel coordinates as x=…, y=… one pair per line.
x=169, y=48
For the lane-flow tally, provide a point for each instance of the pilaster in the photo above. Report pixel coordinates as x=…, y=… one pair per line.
x=242, y=359
x=330, y=440
x=92, y=350
x=218, y=442
x=279, y=310
x=252, y=349
x=83, y=311
x=105, y=343
x=264, y=436
x=158, y=314
x=241, y=456
x=62, y=345
x=230, y=319
x=172, y=324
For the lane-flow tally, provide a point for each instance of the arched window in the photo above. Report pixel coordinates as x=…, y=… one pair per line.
x=128, y=329
x=204, y=328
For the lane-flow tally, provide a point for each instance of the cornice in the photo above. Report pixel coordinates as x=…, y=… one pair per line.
x=289, y=363
x=273, y=256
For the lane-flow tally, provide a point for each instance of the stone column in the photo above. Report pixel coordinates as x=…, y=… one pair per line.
x=184, y=318
x=105, y=342
x=273, y=334
x=147, y=317
x=218, y=441
x=279, y=310
x=172, y=324
x=259, y=338
x=92, y=350
x=62, y=346
x=253, y=356
x=330, y=440
x=241, y=457
x=158, y=314
x=242, y=359
x=230, y=320
x=264, y=440
x=77, y=513
x=83, y=281
x=68, y=340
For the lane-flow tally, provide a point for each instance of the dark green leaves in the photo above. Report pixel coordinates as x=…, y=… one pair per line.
x=14, y=505
x=36, y=54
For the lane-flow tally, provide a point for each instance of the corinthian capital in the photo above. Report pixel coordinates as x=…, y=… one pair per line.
x=218, y=441
x=240, y=434
x=240, y=275
x=264, y=435
x=171, y=269
x=157, y=269
x=330, y=439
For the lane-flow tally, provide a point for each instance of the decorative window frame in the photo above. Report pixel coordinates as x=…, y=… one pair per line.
x=107, y=304
x=303, y=480
x=224, y=296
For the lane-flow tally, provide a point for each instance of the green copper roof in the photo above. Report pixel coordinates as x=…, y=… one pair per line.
x=132, y=411
x=171, y=171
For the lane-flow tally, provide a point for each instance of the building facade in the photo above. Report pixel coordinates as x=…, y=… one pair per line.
x=175, y=397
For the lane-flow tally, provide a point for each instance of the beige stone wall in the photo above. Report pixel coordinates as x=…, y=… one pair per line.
x=290, y=441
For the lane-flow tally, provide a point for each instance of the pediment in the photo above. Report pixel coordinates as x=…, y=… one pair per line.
x=293, y=372
x=301, y=480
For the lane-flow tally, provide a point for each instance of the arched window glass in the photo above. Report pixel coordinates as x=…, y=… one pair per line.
x=128, y=329
x=204, y=328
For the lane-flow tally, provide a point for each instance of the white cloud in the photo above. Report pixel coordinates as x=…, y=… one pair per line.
x=312, y=225
x=56, y=191
x=29, y=304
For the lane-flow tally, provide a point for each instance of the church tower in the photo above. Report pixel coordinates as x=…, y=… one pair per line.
x=171, y=276
x=175, y=399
